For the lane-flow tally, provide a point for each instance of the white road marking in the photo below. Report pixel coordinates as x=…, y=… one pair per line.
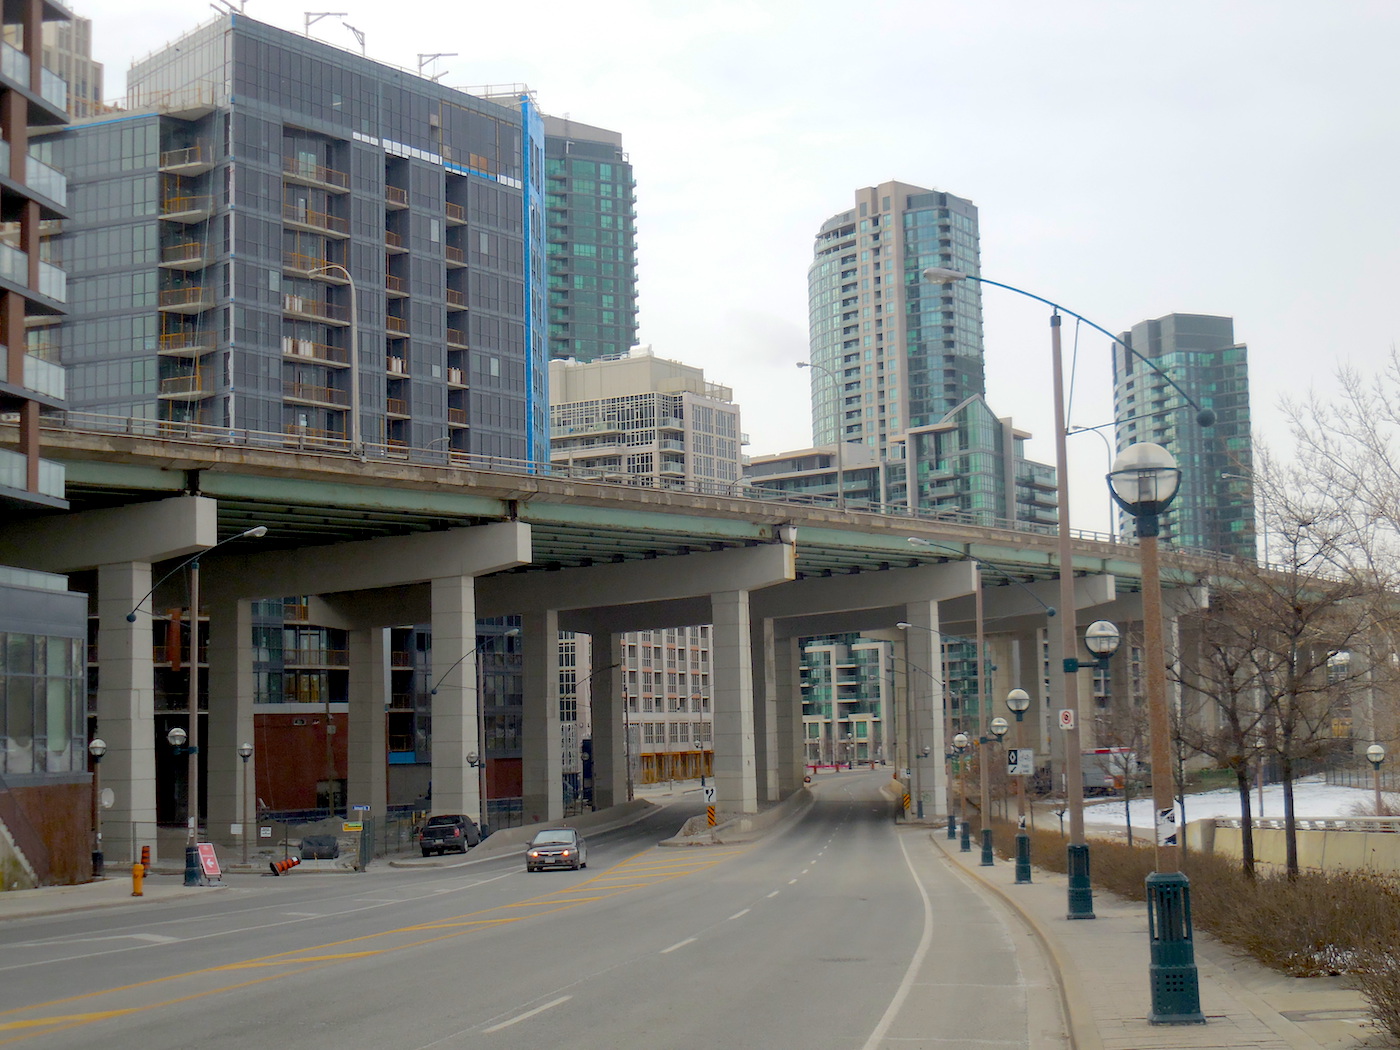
x=792, y=882
x=527, y=1014
x=738, y=915
x=678, y=944
x=774, y=894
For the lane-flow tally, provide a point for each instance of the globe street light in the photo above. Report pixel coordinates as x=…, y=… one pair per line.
x=245, y=752
x=960, y=746
x=1375, y=754
x=97, y=747
x=1018, y=701
x=997, y=727
x=1144, y=481
x=1081, y=903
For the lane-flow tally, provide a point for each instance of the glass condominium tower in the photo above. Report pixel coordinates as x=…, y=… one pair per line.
x=287, y=238
x=891, y=353
x=1214, y=509
x=590, y=210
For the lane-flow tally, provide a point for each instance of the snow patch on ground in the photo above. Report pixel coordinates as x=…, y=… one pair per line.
x=1312, y=797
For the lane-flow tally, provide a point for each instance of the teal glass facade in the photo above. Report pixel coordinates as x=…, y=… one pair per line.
x=592, y=244
x=1214, y=509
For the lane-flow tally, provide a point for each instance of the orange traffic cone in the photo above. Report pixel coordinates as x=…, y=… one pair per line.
x=279, y=866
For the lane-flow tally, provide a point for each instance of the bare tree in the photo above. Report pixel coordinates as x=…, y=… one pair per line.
x=1222, y=714
x=1123, y=727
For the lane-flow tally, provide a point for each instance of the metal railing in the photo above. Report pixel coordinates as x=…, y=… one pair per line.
x=437, y=458
x=1387, y=824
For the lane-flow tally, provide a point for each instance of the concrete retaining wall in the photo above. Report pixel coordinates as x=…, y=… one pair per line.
x=1377, y=851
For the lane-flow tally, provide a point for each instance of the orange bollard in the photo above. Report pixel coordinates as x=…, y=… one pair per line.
x=138, y=875
x=146, y=859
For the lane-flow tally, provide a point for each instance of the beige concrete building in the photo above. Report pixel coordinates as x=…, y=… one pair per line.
x=658, y=423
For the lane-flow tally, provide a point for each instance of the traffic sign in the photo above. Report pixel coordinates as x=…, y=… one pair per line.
x=709, y=790
x=1020, y=761
x=1066, y=718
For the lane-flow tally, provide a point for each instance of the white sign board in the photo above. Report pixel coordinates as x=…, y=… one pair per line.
x=1066, y=718
x=709, y=795
x=1166, y=827
x=1020, y=761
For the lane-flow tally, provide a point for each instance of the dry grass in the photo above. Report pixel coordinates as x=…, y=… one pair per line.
x=1319, y=923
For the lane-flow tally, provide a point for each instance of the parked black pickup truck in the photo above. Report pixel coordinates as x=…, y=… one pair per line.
x=446, y=832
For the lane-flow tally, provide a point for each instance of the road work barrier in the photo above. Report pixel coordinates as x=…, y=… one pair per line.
x=281, y=866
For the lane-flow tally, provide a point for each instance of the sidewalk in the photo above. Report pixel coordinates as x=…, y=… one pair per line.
x=1103, y=965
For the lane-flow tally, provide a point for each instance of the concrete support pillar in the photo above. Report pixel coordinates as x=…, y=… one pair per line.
x=367, y=750
x=126, y=710
x=732, y=682
x=1028, y=673
x=923, y=643
x=610, y=751
x=456, y=702
x=765, y=710
x=229, y=703
x=785, y=683
x=542, y=760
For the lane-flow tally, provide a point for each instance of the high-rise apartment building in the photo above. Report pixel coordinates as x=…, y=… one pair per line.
x=645, y=418
x=290, y=239
x=889, y=351
x=44, y=779
x=660, y=423
x=1213, y=509
x=847, y=694
x=592, y=241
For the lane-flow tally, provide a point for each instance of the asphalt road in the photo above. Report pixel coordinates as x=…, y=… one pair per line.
x=840, y=930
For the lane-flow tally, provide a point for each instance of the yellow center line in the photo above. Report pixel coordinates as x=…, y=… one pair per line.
x=603, y=887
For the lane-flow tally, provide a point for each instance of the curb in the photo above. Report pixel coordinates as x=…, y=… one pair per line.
x=1079, y=1020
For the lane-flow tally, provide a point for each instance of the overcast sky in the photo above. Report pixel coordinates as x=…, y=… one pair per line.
x=1129, y=160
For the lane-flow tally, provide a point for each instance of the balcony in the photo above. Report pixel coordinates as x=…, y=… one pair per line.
x=14, y=474
x=393, y=243
x=396, y=407
x=397, y=327
x=309, y=349
x=456, y=417
x=190, y=387
x=395, y=287
x=306, y=308
x=193, y=300
x=192, y=344
x=296, y=216
x=395, y=198
x=456, y=214
x=316, y=394
x=455, y=256
x=41, y=178
x=456, y=378
x=456, y=300
x=192, y=160
x=396, y=366
x=191, y=255
x=187, y=210
x=296, y=170
x=457, y=339
x=311, y=266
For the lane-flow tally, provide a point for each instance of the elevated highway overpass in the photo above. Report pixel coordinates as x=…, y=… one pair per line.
x=379, y=542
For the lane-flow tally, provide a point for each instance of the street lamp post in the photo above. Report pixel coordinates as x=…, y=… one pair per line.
x=961, y=742
x=997, y=727
x=357, y=444
x=182, y=744
x=97, y=747
x=245, y=752
x=1375, y=754
x=840, y=431
x=1144, y=481
x=1018, y=701
x=1081, y=901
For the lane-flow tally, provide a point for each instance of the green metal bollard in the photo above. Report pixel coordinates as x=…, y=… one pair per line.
x=192, y=868
x=1176, y=994
x=1081, y=893
x=952, y=827
x=1023, y=858
x=965, y=844
x=988, y=857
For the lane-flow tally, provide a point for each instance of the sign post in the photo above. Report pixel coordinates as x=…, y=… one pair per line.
x=709, y=790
